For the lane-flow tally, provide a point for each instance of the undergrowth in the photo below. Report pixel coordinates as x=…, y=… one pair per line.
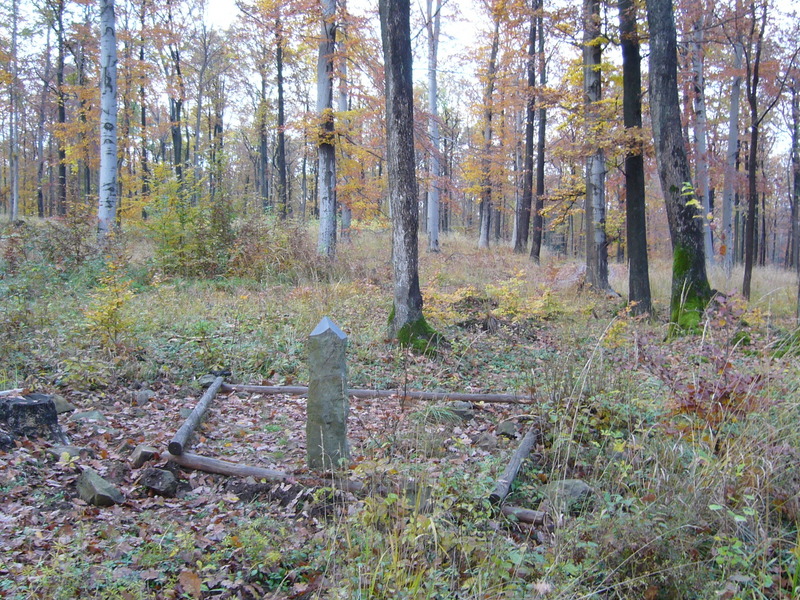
x=689, y=445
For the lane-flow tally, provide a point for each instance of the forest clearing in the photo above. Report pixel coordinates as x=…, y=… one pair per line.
x=281, y=317
x=689, y=445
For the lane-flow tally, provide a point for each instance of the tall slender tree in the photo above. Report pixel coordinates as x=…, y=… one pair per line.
x=107, y=209
x=14, y=116
x=433, y=25
x=406, y=321
x=486, y=191
x=523, y=220
x=537, y=234
x=690, y=288
x=595, y=208
x=638, y=272
x=703, y=190
x=326, y=173
x=731, y=161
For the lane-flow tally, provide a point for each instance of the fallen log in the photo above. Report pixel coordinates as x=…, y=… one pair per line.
x=525, y=515
x=14, y=392
x=224, y=467
x=503, y=485
x=300, y=390
x=181, y=438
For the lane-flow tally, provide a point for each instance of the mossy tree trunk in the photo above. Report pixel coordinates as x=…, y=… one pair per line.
x=690, y=289
x=406, y=321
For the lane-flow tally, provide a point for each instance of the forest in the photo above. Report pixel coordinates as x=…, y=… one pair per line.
x=557, y=245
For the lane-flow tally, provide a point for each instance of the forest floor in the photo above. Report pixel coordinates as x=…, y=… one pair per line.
x=688, y=445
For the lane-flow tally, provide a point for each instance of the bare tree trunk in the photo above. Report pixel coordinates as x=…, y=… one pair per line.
x=40, y=132
x=107, y=209
x=326, y=173
x=406, y=321
x=434, y=27
x=61, y=99
x=729, y=181
x=795, y=226
x=753, y=63
x=344, y=101
x=486, y=193
x=701, y=136
x=14, y=118
x=690, y=289
x=538, y=217
x=523, y=220
x=596, y=242
x=283, y=191
x=638, y=271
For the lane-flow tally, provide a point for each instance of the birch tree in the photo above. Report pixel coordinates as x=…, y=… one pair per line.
x=326, y=173
x=107, y=209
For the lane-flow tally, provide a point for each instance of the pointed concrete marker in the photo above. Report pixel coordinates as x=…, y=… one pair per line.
x=328, y=405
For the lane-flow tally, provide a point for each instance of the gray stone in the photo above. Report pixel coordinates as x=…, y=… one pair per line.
x=568, y=495
x=207, y=380
x=328, y=405
x=508, y=428
x=141, y=454
x=95, y=490
x=142, y=397
x=62, y=405
x=486, y=441
x=89, y=416
x=464, y=410
x=160, y=481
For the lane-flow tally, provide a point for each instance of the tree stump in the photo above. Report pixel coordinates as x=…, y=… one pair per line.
x=328, y=405
x=33, y=415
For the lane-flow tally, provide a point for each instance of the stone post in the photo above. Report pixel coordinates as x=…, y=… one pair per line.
x=328, y=405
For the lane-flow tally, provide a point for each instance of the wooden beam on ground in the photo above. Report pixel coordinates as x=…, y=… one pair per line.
x=224, y=467
x=299, y=390
x=503, y=485
x=178, y=443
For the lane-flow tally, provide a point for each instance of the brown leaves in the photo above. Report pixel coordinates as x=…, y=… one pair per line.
x=191, y=583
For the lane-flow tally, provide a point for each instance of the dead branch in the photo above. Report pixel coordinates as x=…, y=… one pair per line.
x=224, y=467
x=503, y=485
x=299, y=390
x=178, y=442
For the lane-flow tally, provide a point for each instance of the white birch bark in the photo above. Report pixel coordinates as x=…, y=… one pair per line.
x=701, y=137
x=326, y=173
x=434, y=27
x=729, y=181
x=107, y=208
